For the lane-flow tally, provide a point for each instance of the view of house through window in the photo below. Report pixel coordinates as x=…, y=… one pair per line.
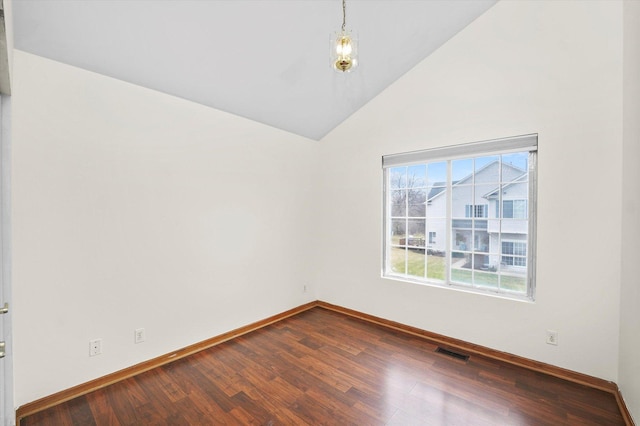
x=461, y=221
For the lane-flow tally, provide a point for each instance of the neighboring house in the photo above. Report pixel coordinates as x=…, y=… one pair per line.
x=478, y=203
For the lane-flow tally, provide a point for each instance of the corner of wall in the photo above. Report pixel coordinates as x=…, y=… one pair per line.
x=629, y=359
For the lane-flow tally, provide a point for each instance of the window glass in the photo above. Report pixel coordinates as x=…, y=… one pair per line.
x=462, y=222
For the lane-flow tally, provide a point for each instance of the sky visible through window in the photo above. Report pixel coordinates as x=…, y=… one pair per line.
x=428, y=239
x=461, y=216
x=435, y=174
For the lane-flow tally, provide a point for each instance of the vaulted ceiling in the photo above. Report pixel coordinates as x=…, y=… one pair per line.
x=266, y=60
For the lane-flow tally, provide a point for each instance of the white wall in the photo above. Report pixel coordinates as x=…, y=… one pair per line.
x=552, y=68
x=137, y=209
x=7, y=415
x=630, y=278
x=6, y=376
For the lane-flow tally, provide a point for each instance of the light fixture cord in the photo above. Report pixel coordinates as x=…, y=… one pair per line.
x=344, y=14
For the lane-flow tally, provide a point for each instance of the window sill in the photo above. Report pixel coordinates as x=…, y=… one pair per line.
x=518, y=297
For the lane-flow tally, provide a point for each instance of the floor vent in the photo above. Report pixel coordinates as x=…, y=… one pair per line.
x=452, y=354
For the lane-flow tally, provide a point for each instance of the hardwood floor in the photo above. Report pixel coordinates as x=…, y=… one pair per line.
x=324, y=367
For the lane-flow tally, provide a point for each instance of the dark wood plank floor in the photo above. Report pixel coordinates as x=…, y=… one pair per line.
x=322, y=367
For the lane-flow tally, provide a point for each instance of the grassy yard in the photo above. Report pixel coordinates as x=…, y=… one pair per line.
x=415, y=264
x=436, y=270
x=488, y=279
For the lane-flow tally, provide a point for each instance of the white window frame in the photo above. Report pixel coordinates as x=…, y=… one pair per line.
x=432, y=237
x=525, y=143
x=513, y=255
x=476, y=210
x=513, y=209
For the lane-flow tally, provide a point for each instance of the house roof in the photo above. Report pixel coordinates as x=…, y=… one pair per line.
x=494, y=193
x=439, y=187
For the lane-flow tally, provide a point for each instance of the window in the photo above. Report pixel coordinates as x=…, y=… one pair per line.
x=514, y=209
x=432, y=237
x=518, y=252
x=479, y=199
x=476, y=210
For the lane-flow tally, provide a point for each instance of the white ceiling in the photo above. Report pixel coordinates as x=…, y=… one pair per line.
x=267, y=60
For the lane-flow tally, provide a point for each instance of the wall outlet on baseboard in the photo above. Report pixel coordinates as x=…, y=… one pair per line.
x=552, y=337
x=95, y=347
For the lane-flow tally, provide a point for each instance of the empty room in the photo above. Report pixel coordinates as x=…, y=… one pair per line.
x=301, y=212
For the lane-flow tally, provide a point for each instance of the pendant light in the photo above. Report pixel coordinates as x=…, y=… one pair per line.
x=344, y=47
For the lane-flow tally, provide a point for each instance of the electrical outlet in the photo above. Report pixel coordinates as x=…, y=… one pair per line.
x=95, y=347
x=139, y=335
x=552, y=337
x=304, y=288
